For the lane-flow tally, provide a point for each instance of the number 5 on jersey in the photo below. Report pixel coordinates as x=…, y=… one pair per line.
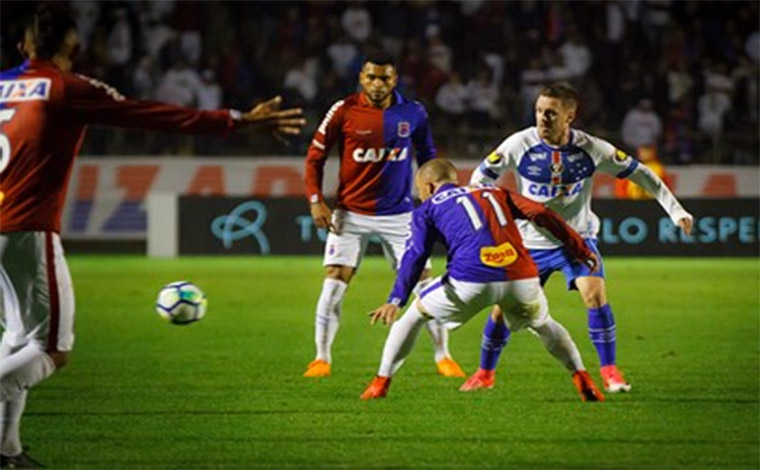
x=5, y=143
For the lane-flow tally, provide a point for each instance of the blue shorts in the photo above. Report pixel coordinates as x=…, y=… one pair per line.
x=557, y=259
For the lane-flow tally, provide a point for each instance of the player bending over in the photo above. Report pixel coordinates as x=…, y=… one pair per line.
x=487, y=264
x=554, y=165
x=44, y=111
x=378, y=132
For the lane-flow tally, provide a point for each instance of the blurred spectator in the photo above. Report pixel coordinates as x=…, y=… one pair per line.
x=642, y=127
x=575, y=55
x=145, y=78
x=752, y=46
x=209, y=93
x=179, y=85
x=303, y=79
x=452, y=98
x=86, y=13
x=680, y=82
x=483, y=94
x=156, y=35
x=439, y=54
x=627, y=189
x=120, y=39
x=531, y=81
x=712, y=107
x=342, y=53
x=357, y=22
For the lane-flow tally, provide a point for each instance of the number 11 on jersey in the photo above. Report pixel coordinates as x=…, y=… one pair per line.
x=469, y=208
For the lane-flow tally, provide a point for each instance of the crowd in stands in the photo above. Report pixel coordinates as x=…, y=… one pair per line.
x=677, y=76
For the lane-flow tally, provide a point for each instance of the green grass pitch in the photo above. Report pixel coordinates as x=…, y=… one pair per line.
x=227, y=392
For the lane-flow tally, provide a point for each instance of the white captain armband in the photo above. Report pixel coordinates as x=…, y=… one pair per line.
x=235, y=115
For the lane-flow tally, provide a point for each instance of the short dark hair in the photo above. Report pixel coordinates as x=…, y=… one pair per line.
x=380, y=57
x=562, y=91
x=49, y=26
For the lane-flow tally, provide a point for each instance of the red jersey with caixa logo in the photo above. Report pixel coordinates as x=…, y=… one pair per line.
x=44, y=113
x=376, y=148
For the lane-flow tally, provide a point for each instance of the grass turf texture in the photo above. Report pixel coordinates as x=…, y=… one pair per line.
x=227, y=392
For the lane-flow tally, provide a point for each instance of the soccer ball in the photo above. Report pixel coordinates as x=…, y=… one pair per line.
x=181, y=303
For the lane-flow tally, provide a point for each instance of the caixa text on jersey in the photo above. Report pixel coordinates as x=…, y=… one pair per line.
x=370, y=155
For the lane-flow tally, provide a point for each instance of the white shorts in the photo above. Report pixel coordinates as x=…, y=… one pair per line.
x=36, y=294
x=453, y=302
x=347, y=247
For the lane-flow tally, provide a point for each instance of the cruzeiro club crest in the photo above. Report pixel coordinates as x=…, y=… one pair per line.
x=556, y=167
x=404, y=129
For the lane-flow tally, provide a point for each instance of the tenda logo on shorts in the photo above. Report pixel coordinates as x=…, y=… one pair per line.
x=498, y=256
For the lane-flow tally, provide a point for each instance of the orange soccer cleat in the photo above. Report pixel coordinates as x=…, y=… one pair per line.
x=448, y=367
x=317, y=368
x=377, y=389
x=482, y=379
x=586, y=387
x=613, y=380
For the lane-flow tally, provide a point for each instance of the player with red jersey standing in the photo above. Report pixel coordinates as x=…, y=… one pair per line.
x=378, y=132
x=487, y=264
x=44, y=111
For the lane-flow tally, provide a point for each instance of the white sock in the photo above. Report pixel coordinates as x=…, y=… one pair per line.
x=328, y=316
x=10, y=415
x=440, y=336
x=401, y=340
x=558, y=342
x=10, y=424
x=22, y=370
x=438, y=333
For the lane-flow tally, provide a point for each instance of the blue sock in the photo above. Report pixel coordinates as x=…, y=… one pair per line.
x=495, y=337
x=601, y=329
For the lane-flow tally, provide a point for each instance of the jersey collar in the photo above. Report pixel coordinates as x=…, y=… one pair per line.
x=445, y=187
x=552, y=147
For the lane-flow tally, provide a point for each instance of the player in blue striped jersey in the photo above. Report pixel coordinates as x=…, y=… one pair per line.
x=554, y=165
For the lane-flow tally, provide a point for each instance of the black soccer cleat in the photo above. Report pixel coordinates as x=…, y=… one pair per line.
x=21, y=460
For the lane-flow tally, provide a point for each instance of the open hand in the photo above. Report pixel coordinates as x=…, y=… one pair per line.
x=387, y=313
x=268, y=114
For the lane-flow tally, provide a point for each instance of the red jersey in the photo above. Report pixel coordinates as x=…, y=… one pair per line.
x=44, y=113
x=376, y=148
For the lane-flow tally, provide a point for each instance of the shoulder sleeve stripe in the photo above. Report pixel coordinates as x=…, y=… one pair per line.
x=488, y=172
x=627, y=172
x=317, y=144
x=328, y=117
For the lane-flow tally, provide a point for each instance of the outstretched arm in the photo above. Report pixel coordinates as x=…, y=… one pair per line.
x=419, y=246
x=94, y=102
x=523, y=208
x=648, y=180
x=621, y=165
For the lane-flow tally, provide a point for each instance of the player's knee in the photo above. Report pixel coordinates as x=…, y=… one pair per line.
x=339, y=273
x=496, y=314
x=594, y=298
x=60, y=358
